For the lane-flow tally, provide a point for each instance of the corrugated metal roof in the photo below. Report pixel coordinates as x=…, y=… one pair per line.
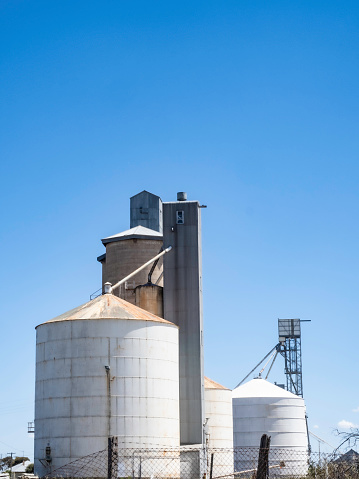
x=108, y=306
x=140, y=232
x=210, y=384
x=260, y=387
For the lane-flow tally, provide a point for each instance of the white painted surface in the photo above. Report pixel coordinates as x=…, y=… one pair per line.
x=260, y=407
x=261, y=388
x=73, y=410
x=218, y=410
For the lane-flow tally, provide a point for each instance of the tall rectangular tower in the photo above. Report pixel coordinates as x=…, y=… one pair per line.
x=182, y=294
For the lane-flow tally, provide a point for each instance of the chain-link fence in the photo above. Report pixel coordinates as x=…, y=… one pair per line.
x=198, y=463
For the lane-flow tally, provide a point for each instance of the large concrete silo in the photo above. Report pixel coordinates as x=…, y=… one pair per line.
x=106, y=368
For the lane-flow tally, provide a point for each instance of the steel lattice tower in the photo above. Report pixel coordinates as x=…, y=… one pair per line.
x=290, y=348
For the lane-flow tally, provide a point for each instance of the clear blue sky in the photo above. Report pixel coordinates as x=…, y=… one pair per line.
x=252, y=108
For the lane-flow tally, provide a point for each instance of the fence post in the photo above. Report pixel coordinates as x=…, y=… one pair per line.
x=211, y=469
x=262, y=469
x=112, y=458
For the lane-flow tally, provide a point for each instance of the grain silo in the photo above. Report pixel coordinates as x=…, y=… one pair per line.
x=106, y=368
x=260, y=407
x=218, y=413
x=127, y=251
x=219, y=426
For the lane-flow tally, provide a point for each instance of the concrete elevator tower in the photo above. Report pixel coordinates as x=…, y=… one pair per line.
x=128, y=250
x=183, y=306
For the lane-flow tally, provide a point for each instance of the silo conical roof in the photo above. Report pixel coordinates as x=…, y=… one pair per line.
x=138, y=232
x=210, y=384
x=260, y=387
x=108, y=306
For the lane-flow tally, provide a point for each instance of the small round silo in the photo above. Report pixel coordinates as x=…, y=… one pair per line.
x=219, y=426
x=106, y=368
x=260, y=407
x=218, y=413
x=150, y=297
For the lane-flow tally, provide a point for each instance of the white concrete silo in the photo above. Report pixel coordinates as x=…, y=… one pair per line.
x=260, y=407
x=218, y=413
x=219, y=426
x=106, y=368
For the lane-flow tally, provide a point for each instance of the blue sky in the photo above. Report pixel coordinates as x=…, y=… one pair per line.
x=250, y=107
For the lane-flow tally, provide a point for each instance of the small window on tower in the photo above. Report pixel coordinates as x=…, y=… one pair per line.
x=180, y=217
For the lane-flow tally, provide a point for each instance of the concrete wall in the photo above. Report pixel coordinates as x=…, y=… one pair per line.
x=183, y=306
x=150, y=298
x=78, y=404
x=218, y=410
x=125, y=256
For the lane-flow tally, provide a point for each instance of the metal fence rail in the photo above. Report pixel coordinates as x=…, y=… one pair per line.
x=194, y=463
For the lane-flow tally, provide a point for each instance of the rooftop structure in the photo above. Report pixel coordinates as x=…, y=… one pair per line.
x=146, y=210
